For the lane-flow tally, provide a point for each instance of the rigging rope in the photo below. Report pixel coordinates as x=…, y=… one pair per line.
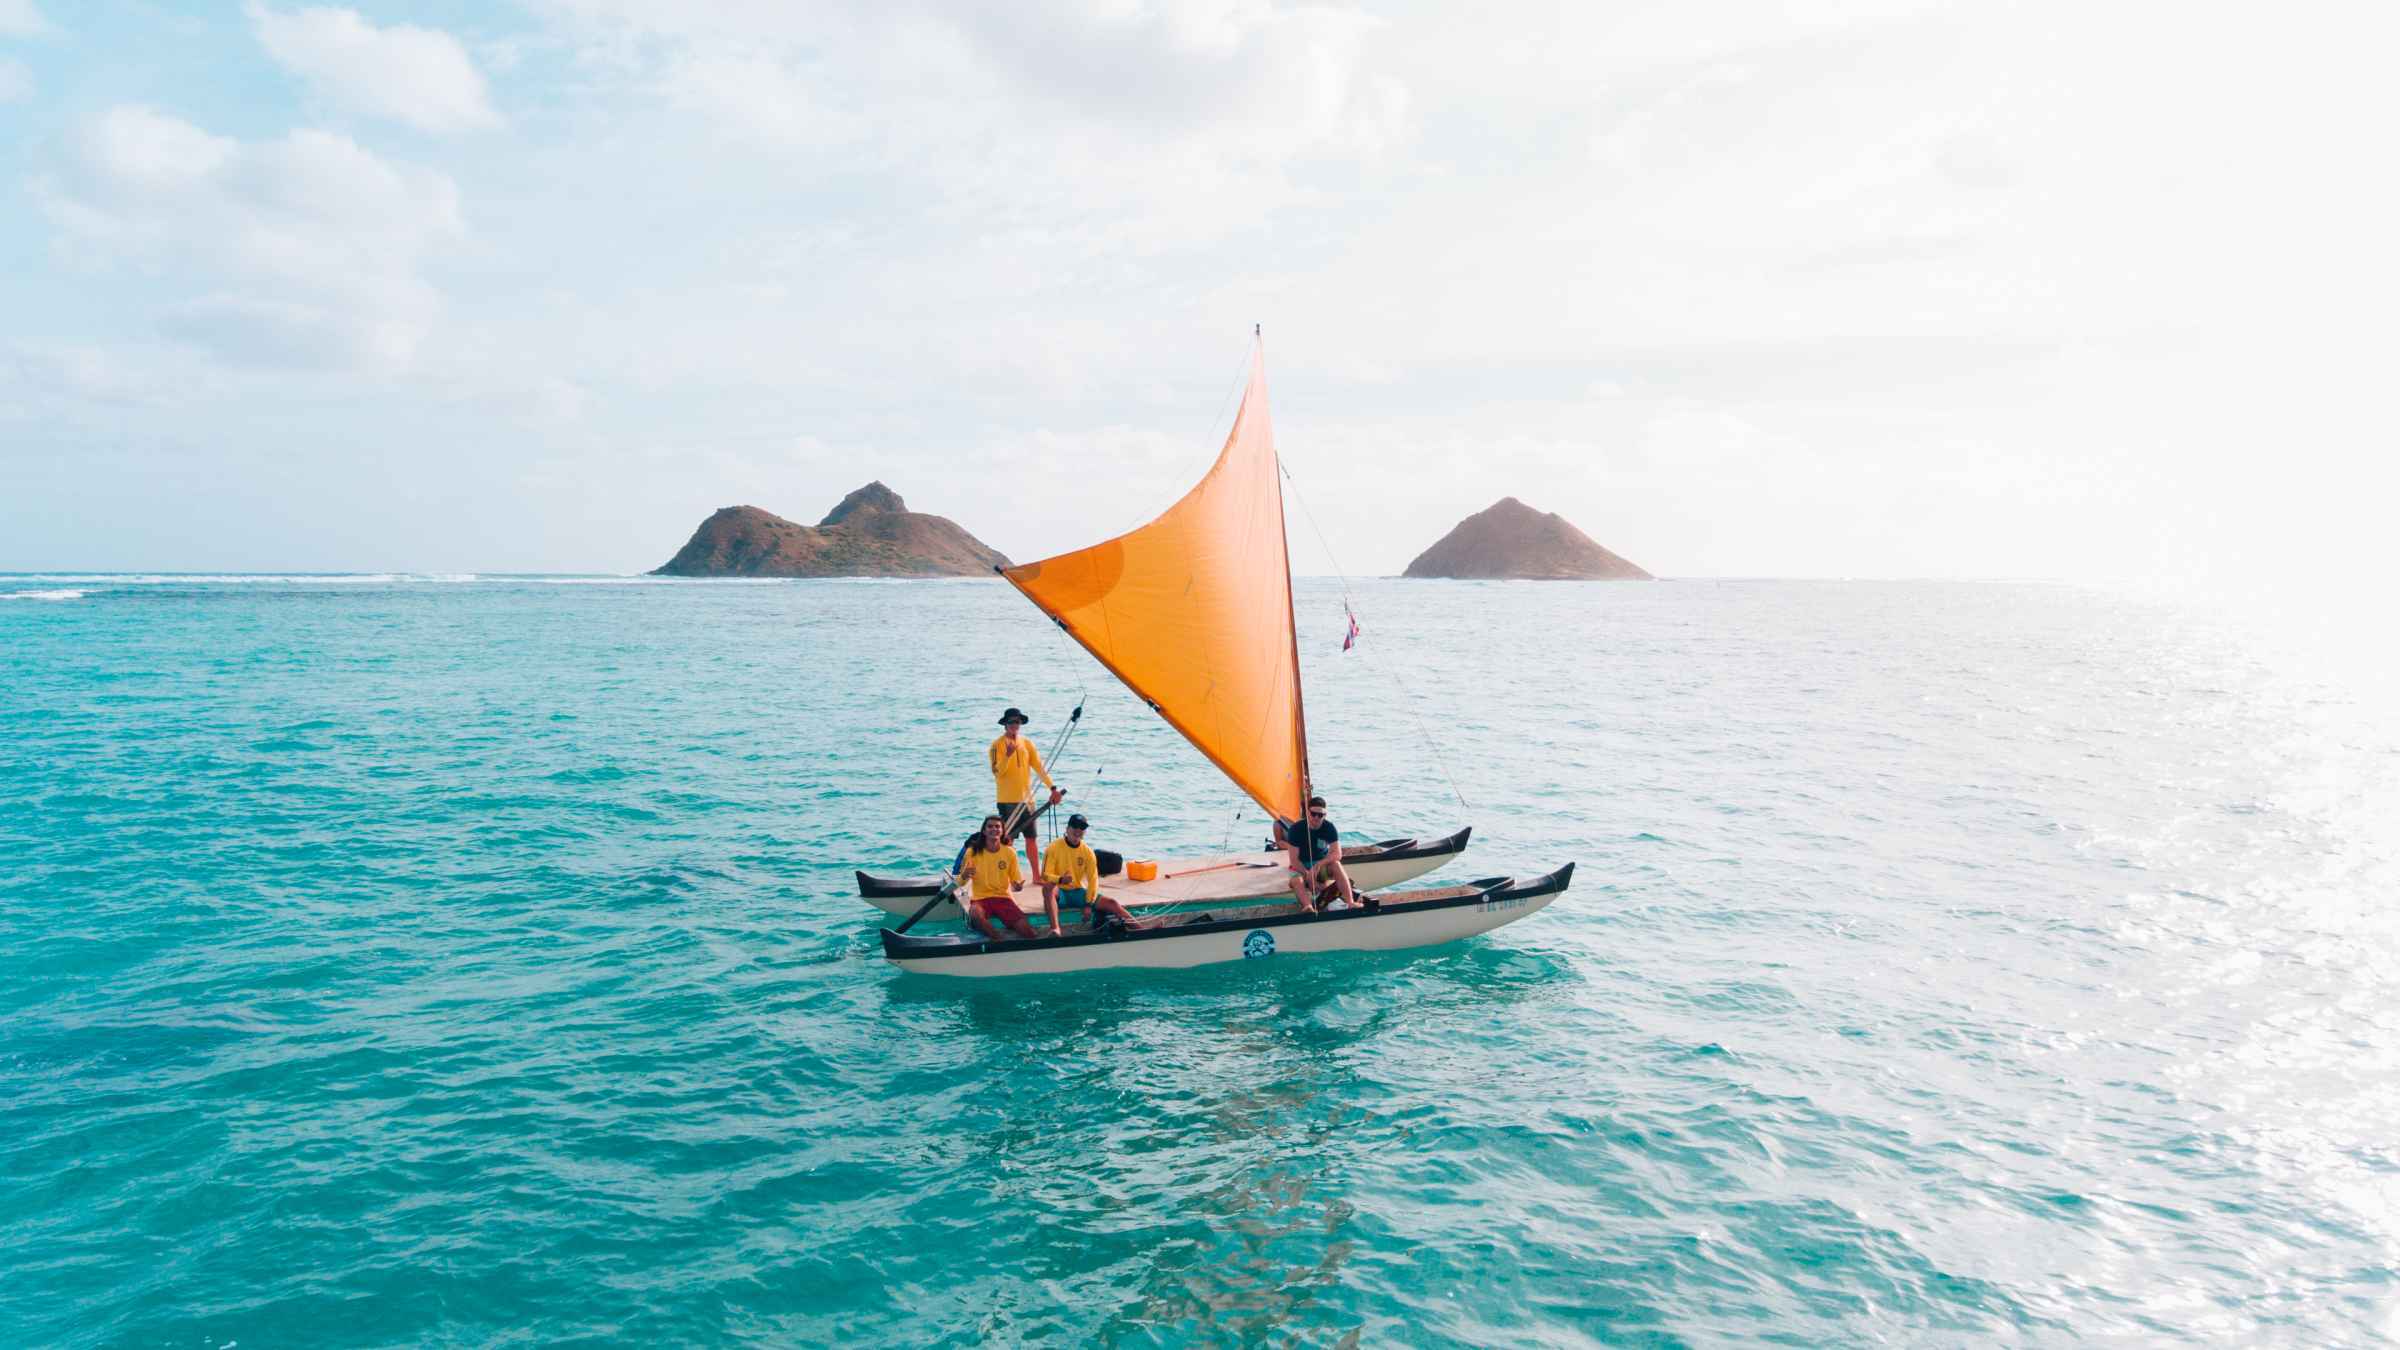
x=1008, y=827
x=1350, y=608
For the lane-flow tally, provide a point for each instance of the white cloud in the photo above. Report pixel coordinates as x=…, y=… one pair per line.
x=1944, y=281
x=16, y=82
x=302, y=250
x=21, y=18
x=86, y=370
x=419, y=76
x=1095, y=125
x=758, y=94
x=1276, y=80
x=137, y=150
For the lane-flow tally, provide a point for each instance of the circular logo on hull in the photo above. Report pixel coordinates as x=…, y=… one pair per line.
x=1259, y=943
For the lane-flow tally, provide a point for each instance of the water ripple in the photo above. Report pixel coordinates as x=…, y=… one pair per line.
x=399, y=959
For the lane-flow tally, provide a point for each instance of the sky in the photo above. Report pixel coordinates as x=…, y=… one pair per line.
x=2094, y=292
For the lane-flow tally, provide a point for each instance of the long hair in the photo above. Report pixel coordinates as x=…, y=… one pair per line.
x=975, y=840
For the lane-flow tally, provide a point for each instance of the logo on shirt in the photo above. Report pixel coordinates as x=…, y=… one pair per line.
x=1259, y=943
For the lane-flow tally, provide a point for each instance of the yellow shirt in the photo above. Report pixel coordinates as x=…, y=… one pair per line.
x=1072, y=865
x=991, y=872
x=1013, y=768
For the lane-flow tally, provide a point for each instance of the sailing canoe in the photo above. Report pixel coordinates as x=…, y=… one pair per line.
x=1221, y=879
x=1399, y=920
x=1193, y=613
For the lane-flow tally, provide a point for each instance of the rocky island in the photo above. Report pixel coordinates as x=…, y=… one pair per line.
x=1509, y=539
x=871, y=534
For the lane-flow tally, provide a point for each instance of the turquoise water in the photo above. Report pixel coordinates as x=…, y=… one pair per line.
x=402, y=960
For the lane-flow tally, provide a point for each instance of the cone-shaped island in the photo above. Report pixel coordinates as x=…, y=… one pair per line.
x=1509, y=539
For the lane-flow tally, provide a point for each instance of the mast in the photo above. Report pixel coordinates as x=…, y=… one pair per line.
x=1299, y=708
x=1193, y=612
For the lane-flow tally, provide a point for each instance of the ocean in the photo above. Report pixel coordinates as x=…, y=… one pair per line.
x=473, y=960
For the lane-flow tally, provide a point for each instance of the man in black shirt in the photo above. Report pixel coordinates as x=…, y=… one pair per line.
x=1313, y=852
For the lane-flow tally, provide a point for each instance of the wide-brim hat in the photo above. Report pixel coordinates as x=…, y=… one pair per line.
x=1012, y=715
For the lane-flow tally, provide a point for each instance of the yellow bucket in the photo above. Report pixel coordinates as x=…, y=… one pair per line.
x=1140, y=869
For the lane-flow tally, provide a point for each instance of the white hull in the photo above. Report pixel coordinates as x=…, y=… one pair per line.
x=1260, y=933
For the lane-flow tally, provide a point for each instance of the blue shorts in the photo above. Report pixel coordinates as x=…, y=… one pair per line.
x=1072, y=897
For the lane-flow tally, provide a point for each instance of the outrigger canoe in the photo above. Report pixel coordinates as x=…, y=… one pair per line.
x=1200, y=882
x=1193, y=612
x=1396, y=920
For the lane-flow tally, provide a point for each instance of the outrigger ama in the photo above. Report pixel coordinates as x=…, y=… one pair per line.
x=1193, y=613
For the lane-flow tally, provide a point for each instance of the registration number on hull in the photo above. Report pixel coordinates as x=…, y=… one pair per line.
x=1502, y=902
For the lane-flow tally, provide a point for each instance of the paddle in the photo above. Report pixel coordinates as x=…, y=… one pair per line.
x=1212, y=867
x=950, y=879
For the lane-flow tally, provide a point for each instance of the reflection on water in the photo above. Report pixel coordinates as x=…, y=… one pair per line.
x=1232, y=1098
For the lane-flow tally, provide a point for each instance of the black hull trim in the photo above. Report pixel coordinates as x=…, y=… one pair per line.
x=914, y=947
x=1389, y=850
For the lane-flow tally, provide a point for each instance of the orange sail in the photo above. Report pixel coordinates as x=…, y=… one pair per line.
x=1193, y=611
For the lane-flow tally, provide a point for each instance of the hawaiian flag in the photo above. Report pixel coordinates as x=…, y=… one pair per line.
x=1351, y=636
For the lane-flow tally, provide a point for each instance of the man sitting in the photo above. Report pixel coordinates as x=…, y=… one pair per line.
x=989, y=871
x=1313, y=853
x=1071, y=879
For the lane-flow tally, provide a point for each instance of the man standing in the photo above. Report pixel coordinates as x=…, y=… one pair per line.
x=1313, y=852
x=1014, y=763
x=1071, y=878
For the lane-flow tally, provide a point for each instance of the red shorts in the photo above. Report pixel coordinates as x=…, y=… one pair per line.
x=1001, y=910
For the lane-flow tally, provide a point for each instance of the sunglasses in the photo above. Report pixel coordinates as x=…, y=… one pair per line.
x=1316, y=810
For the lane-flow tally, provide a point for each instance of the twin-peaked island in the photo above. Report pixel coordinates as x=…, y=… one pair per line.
x=871, y=534
x=874, y=534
